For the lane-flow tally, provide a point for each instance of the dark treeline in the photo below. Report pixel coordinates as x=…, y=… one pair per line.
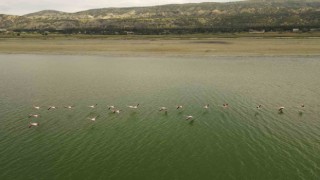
x=163, y=31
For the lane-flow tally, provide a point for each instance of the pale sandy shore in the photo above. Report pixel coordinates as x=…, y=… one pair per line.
x=160, y=47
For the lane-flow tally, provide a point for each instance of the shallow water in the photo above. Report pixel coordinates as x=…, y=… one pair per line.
x=239, y=142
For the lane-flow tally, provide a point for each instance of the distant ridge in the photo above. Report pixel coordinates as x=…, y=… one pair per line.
x=46, y=13
x=242, y=15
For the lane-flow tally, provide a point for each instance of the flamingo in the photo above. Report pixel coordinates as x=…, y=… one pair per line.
x=179, y=106
x=69, y=107
x=52, y=107
x=281, y=109
x=93, y=106
x=163, y=109
x=116, y=111
x=36, y=107
x=93, y=118
x=33, y=124
x=133, y=107
x=34, y=115
x=111, y=107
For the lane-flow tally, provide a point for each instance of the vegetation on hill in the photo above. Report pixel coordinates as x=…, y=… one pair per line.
x=185, y=18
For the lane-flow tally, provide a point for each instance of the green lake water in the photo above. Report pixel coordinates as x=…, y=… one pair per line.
x=239, y=142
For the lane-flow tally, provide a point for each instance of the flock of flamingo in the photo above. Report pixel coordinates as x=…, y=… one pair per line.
x=114, y=110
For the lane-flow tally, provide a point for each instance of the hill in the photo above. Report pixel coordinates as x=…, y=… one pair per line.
x=232, y=16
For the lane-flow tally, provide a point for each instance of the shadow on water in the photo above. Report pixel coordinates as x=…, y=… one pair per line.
x=300, y=113
x=205, y=112
x=165, y=113
x=133, y=113
x=70, y=116
x=93, y=114
x=180, y=113
x=191, y=123
x=92, y=128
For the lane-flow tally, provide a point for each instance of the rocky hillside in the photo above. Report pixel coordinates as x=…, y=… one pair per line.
x=252, y=13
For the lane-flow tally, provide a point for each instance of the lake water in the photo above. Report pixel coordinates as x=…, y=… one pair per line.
x=239, y=142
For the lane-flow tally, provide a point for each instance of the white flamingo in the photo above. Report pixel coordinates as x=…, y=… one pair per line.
x=111, y=107
x=189, y=117
x=179, y=106
x=52, y=107
x=93, y=118
x=33, y=124
x=163, y=109
x=281, y=109
x=92, y=106
x=206, y=106
x=133, y=107
x=116, y=111
x=69, y=107
x=36, y=107
x=34, y=115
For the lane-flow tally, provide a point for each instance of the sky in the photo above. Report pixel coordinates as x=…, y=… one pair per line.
x=20, y=7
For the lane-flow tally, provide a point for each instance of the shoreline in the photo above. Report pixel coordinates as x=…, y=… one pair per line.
x=162, y=47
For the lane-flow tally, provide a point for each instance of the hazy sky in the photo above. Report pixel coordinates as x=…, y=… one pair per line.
x=20, y=7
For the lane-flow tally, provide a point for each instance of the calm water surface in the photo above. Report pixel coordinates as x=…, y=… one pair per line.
x=240, y=142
